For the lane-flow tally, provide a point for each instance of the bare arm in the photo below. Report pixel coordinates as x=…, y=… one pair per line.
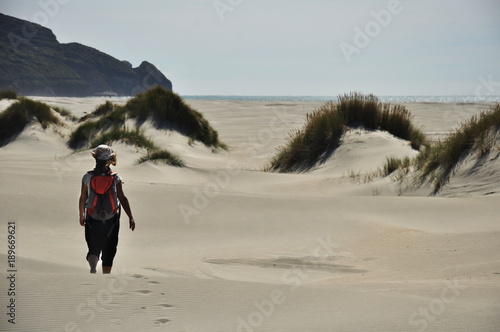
x=81, y=204
x=126, y=206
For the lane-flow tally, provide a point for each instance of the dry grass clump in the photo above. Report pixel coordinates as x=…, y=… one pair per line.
x=357, y=108
x=397, y=120
x=323, y=129
x=131, y=137
x=111, y=128
x=308, y=146
x=167, y=110
x=8, y=94
x=393, y=164
x=477, y=137
x=104, y=118
x=99, y=111
x=162, y=156
x=480, y=135
x=138, y=139
x=65, y=113
x=15, y=118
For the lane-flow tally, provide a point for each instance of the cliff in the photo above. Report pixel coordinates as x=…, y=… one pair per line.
x=33, y=62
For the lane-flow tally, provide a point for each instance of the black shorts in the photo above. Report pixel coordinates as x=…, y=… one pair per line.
x=102, y=237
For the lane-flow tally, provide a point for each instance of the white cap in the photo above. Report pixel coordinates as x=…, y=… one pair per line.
x=103, y=152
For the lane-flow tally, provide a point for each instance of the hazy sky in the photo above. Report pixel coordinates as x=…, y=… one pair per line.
x=290, y=47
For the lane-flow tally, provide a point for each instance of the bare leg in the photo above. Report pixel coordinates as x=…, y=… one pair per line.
x=93, y=259
x=106, y=269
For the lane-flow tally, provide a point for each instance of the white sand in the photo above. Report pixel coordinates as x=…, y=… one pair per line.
x=222, y=246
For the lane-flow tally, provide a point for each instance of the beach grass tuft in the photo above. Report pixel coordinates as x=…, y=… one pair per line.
x=167, y=110
x=65, y=113
x=356, y=108
x=138, y=139
x=479, y=135
x=397, y=120
x=162, y=156
x=15, y=118
x=99, y=111
x=323, y=129
x=80, y=137
x=393, y=164
x=105, y=117
x=8, y=94
x=320, y=134
x=131, y=137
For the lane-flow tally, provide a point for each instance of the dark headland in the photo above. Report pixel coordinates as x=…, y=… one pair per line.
x=33, y=62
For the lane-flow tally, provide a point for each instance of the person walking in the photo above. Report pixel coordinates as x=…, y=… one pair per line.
x=101, y=199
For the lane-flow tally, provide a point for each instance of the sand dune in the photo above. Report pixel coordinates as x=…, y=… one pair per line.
x=222, y=246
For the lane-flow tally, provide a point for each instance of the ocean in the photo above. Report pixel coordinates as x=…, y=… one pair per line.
x=387, y=99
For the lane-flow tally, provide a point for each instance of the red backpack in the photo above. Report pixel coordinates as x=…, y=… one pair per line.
x=102, y=203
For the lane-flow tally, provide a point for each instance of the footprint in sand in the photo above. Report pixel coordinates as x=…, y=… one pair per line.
x=161, y=321
x=153, y=282
x=162, y=305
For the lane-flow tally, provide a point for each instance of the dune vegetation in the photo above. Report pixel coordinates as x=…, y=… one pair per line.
x=321, y=134
x=393, y=164
x=17, y=116
x=110, y=127
x=306, y=148
x=162, y=108
x=65, y=113
x=131, y=137
x=8, y=94
x=480, y=135
x=162, y=156
x=137, y=138
x=99, y=111
x=106, y=117
x=167, y=110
